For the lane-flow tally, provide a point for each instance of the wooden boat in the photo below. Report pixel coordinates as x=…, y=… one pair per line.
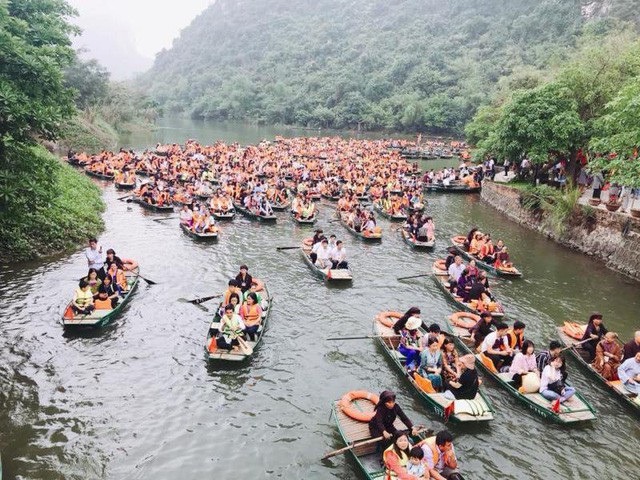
x=576, y=409
x=254, y=216
x=436, y=402
x=394, y=217
x=101, y=176
x=153, y=207
x=452, y=188
x=236, y=354
x=199, y=235
x=337, y=275
x=355, y=431
x=125, y=186
x=408, y=239
x=572, y=332
x=305, y=221
x=332, y=198
x=441, y=277
x=222, y=215
x=101, y=318
x=281, y=207
x=371, y=237
x=458, y=243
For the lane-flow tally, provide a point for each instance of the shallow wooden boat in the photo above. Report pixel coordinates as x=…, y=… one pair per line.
x=152, y=207
x=500, y=272
x=442, y=279
x=101, y=176
x=615, y=387
x=254, y=216
x=373, y=237
x=331, y=198
x=576, y=409
x=394, y=217
x=334, y=275
x=305, y=221
x=453, y=188
x=223, y=215
x=280, y=207
x=125, y=186
x=199, y=235
x=408, y=239
x=478, y=410
x=101, y=318
x=214, y=354
x=354, y=431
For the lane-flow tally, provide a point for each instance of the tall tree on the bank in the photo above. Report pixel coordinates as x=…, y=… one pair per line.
x=35, y=46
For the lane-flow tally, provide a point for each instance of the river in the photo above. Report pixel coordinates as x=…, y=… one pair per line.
x=137, y=400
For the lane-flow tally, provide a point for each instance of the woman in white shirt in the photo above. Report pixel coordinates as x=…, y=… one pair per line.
x=552, y=386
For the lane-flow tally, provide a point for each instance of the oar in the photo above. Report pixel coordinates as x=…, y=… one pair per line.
x=286, y=248
x=367, y=442
x=125, y=196
x=415, y=276
x=164, y=219
x=576, y=344
x=198, y=301
x=150, y=282
x=244, y=346
x=363, y=337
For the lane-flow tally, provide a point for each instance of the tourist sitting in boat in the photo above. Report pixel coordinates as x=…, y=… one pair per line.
x=400, y=324
x=608, y=356
x=235, y=300
x=416, y=465
x=476, y=243
x=410, y=342
x=323, y=255
x=431, y=363
x=552, y=385
x=93, y=281
x=251, y=313
x=107, y=292
x=593, y=333
x=243, y=279
x=631, y=347
x=516, y=335
x=82, y=299
x=338, y=256
x=496, y=347
x=386, y=412
x=232, y=287
x=111, y=259
x=426, y=231
x=545, y=357
x=451, y=366
x=629, y=374
x=466, y=385
x=473, y=270
x=456, y=269
x=502, y=259
x=452, y=253
x=440, y=457
x=481, y=329
x=204, y=223
x=186, y=216
x=524, y=362
x=231, y=328
x=396, y=458
x=433, y=332
x=264, y=207
x=118, y=278
x=487, y=251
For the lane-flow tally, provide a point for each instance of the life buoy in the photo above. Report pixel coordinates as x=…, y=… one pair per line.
x=459, y=239
x=347, y=407
x=129, y=264
x=440, y=264
x=259, y=284
x=308, y=242
x=464, y=319
x=574, y=330
x=388, y=319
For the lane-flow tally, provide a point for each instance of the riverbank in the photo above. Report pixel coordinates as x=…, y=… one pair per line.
x=612, y=238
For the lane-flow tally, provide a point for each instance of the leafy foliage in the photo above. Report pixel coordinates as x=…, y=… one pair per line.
x=395, y=64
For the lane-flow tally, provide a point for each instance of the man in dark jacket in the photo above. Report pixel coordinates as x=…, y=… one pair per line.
x=386, y=412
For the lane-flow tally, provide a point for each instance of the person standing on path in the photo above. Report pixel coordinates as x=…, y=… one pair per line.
x=598, y=183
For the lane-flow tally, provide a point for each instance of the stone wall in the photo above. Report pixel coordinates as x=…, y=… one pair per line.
x=612, y=238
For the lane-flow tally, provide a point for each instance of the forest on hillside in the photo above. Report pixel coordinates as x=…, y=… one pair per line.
x=409, y=65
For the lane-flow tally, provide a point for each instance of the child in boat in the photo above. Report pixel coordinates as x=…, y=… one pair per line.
x=231, y=328
x=82, y=299
x=416, y=466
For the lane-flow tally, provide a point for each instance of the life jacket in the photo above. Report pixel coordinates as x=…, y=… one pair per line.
x=83, y=297
x=403, y=460
x=487, y=249
x=231, y=325
x=251, y=313
x=515, y=340
x=431, y=443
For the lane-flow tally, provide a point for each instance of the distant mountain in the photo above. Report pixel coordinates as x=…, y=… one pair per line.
x=397, y=64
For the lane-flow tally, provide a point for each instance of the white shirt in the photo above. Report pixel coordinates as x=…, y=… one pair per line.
x=339, y=255
x=490, y=339
x=94, y=257
x=323, y=253
x=455, y=271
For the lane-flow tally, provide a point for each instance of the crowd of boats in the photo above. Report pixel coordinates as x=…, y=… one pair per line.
x=438, y=359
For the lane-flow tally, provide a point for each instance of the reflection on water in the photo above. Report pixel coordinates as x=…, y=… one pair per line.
x=138, y=400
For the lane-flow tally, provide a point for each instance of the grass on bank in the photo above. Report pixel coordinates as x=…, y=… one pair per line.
x=45, y=209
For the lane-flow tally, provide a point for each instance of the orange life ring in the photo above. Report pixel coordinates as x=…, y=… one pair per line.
x=259, y=284
x=464, y=319
x=347, y=407
x=574, y=330
x=385, y=318
x=129, y=264
x=308, y=242
x=440, y=264
x=459, y=239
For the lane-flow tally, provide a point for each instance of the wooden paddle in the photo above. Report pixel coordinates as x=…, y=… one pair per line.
x=576, y=344
x=414, y=276
x=244, y=346
x=198, y=301
x=363, y=337
x=125, y=196
x=164, y=219
x=150, y=282
x=353, y=445
x=286, y=248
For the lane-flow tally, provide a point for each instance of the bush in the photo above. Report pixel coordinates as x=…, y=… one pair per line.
x=47, y=206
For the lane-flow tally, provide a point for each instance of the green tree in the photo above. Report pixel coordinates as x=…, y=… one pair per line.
x=89, y=79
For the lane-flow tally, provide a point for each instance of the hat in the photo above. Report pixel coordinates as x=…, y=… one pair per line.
x=413, y=323
x=595, y=315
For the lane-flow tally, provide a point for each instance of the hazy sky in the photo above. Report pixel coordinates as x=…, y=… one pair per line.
x=125, y=35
